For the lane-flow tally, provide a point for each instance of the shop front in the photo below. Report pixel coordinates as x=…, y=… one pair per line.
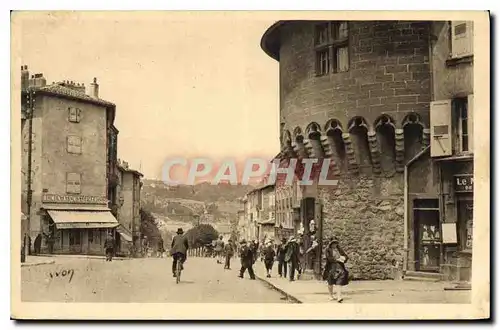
x=458, y=206
x=75, y=224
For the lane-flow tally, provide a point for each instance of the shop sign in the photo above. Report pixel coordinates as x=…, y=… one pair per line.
x=74, y=199
x=463, y=183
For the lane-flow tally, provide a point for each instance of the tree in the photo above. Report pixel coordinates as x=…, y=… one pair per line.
x=201, y=235
x=149, y=227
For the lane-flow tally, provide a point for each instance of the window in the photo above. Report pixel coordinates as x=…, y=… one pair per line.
x=91, y=236
x=461, y=35
x=74, y=237
x=332, y=48
x=73, y=183
x=452, y=126
x=74, y=115
x=74, y=144
x=460, y=114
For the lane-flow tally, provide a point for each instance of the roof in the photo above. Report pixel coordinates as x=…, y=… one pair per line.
x=62, y=91
x=270, y=41
x=120, y=167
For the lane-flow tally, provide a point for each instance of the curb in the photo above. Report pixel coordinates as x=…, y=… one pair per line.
x=275, y=287
x=69, y=256
x=39, y=263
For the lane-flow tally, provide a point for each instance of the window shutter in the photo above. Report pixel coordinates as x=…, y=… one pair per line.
x=470, y=121
x=461, y=38
x=441, y=141
x=73, y=183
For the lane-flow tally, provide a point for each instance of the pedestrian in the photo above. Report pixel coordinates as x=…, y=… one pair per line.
x=229, y=252
x=280, y=252
x=38, y=243
x=160, y=248
x=292, y=257
x=109, y=245
x=247, y=260
x=335, y=272
x=219, y=249
x=269, y=256
x=27, y=242
x=254, y=246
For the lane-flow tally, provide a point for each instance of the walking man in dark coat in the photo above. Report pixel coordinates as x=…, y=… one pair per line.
x=109, y=245
x=292, y=257
x=281, y=251
x=38, y=244
x=229, y=252
x=247, y=260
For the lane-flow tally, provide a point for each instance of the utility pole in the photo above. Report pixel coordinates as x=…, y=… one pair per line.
x=29, y=193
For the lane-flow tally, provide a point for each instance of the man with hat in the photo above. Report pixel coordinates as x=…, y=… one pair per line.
x=281, y=251
x=247, y=260
x=178, y=250
x=229, y=252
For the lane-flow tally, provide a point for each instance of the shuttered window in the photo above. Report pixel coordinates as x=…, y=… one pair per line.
x=461, y=39
x=74, y=115
x=73, y=183
x=74, y=144
x=441, y=138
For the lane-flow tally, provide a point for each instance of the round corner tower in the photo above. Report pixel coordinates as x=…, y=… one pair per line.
x=358, y=93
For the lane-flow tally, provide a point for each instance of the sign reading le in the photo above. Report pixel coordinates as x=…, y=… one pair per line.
x=464, y=183
x=76, y=199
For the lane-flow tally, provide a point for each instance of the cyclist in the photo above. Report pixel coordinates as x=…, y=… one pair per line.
x=179, y=250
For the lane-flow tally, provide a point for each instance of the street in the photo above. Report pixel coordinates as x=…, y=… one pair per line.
x=141, y=280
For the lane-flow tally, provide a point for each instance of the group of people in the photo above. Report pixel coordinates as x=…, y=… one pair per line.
x=289, y=255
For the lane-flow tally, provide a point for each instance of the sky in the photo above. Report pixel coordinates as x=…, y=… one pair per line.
x=185, y=84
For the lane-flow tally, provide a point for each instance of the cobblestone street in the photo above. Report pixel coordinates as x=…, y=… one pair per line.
x=141, y=280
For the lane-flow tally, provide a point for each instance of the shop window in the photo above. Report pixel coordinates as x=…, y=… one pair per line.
x=74, y=237
x=332, y=47
x=465, y=224
x=74, y=115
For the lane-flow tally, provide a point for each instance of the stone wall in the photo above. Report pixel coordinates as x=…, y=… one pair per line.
x=389, y=73
x=366, y=214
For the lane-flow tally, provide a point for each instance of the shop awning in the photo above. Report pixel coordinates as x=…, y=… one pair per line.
x=83, y=219
x=124, y=233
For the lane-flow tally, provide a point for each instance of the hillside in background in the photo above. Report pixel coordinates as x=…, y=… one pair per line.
x=186, y=206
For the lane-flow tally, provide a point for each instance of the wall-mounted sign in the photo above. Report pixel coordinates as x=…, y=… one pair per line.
x=463, y=183
x=449, y=233
x=74, y=199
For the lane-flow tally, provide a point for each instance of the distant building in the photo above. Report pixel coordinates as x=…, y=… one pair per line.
x=129, y=192
x=259, y=213
x=65, y=165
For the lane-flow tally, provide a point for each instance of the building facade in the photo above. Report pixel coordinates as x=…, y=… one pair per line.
x=64, y=165
x=267, y=216
x=390, y=103
x=129, y=205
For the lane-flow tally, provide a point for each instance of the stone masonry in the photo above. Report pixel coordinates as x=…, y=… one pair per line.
x=366, y=215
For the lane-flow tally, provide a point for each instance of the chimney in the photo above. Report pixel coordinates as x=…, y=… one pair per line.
x=25, y=77
x=39, y=80
x=94, y=89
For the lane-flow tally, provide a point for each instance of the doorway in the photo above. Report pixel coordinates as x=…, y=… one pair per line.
x=75, y=240
x=427, y=235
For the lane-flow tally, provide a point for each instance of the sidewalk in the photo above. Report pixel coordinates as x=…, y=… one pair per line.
x=37, y=260
x=389, y=291
x=78, y=256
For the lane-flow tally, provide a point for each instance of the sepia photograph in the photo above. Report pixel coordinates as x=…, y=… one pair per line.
x=281, y=165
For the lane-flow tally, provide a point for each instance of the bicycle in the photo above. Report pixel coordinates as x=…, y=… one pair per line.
x=178, y=269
